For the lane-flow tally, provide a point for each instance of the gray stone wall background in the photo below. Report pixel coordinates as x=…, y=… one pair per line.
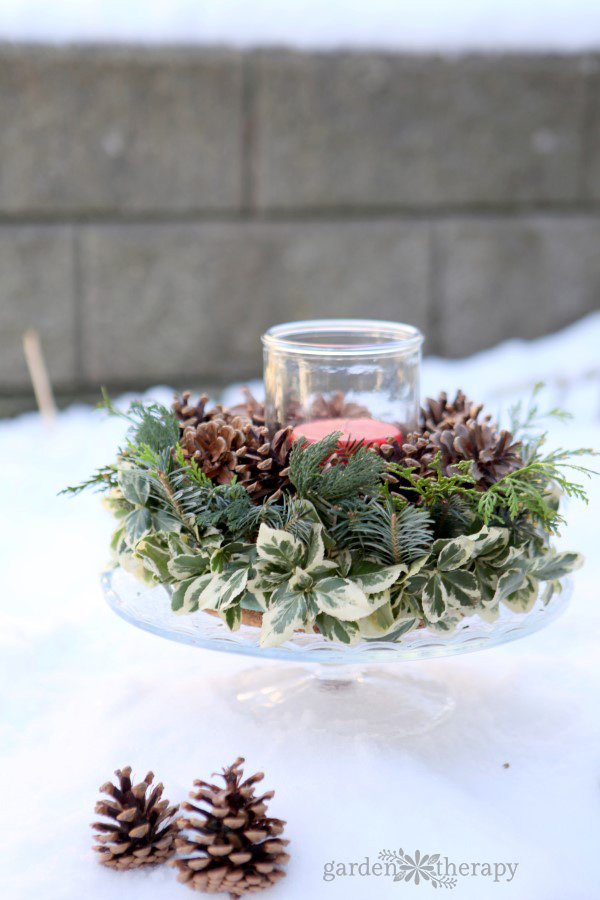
x=159, y=208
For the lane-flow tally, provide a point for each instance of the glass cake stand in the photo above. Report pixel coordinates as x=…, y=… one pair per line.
x=350, y=690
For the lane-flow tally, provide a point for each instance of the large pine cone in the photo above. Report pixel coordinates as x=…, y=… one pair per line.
x=452, y=430
x=263, y=464
x=213, y=446
x=192, y=414
x=231, y=845
x=141, y=831
x=439, y=414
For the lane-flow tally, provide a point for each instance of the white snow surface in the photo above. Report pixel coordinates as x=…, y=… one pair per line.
x=394, y=24
x=83, y=693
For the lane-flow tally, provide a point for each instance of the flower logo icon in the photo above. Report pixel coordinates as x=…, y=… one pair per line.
x=417, y=868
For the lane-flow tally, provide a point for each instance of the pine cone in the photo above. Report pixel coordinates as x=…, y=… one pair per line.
x=189, y=414
x=438, y=414
x=336, y=407
x=140, y=833
x=452, y=430
x=263, y=464
x=214, y=445
x=493, y=455
x=234, y=847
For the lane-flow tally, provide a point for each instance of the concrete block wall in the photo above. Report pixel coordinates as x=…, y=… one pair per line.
x=159, y=208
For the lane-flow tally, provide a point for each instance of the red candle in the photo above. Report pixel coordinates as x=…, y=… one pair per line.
x=371, y=431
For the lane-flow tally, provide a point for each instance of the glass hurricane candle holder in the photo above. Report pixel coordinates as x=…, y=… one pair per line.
x=356, y=376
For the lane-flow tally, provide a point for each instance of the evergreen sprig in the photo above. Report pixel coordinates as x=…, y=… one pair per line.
x=321, y=477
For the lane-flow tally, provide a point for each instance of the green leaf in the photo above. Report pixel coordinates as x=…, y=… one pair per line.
x=487, y=581
x=434, y=598
x=342, y=598
x=279, y=547
x=178, y=596
x=509, y=582
x=194, y=592
x=134, y=485
x=184, y=565
x=137, y=525
x=454, y=552
x=316, y=549
x=556, y=566
x=523, y=600
x=335, y=630
x=287, y=613
x=233, y=617
x=461, y=588
x=163, y=521
x=155, y=558
x=381, y=578
x=379, y=622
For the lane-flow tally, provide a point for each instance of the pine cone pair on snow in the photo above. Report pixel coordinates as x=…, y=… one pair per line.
x=228, y=844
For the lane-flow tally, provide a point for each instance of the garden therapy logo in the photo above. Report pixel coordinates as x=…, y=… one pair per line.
x=421, y=867
x=438, y=871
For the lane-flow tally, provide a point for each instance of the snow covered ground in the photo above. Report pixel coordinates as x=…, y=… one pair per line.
x=82, y=693
x=427, y=25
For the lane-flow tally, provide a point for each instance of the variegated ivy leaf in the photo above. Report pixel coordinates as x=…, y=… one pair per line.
x=279, y=547
x=344, y=599
x=185, y=565
x=509, y=582
x=221, y=555
x=487, y=581
x=551, y=588
x=402, y=627
x=179, y=604
x=222, y=590
x=453, y=553
x=163, y=521
x=232, y=617
x=155, y=556
x=462, y=589
x=343, y=561
x=336, y=630
x=315, y=553
x=523, y=600
x=288, y=612
x=381, y=579
x=489, y=540
x=434, y=598
x=134, y=485
x=137, y=525
x=379, y=623
x=556, y=566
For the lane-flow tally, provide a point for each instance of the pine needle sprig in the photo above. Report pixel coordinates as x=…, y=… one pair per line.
x=315, y=473
x=103, y=479
x=387, y=529
x=150, y=423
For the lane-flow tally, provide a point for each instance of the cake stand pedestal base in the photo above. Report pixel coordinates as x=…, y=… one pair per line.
x=345, y=699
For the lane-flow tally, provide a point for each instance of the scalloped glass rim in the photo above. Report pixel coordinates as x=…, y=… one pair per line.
x=149, y=608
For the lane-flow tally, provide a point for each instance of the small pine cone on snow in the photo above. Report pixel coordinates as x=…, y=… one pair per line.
x=263, y=464
x=141, y=830
x=213, y=446
x=230, y=845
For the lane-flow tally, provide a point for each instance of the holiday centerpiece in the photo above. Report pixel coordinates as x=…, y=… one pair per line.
x=339, y=507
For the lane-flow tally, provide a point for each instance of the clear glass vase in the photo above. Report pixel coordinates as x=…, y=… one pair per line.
x=356, y=376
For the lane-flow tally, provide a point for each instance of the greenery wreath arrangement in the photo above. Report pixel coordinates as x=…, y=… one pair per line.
x=355, y=542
